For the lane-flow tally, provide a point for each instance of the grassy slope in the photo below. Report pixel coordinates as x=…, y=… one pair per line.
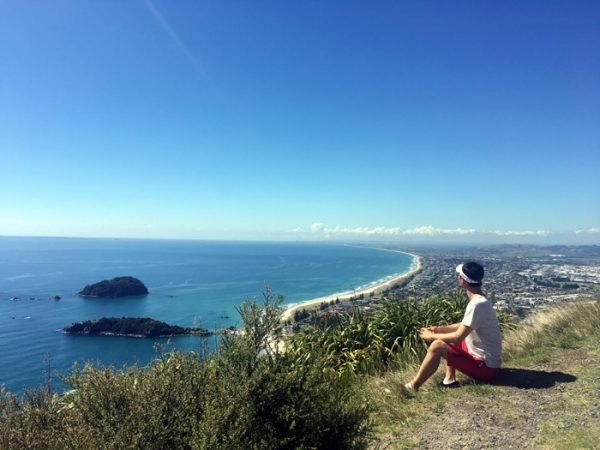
x=549, y=396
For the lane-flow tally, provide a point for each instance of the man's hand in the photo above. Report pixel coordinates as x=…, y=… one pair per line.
x=448, y=334
x=428, y=333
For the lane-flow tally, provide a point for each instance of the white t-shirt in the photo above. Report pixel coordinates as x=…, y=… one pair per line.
x=485, y=341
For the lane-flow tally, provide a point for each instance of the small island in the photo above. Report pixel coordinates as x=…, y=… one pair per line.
x=117, y=287
x=132, y=327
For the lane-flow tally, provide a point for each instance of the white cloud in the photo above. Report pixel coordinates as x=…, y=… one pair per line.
x=520, y=233
x=590, y=231
x=317, y=227
x=321, y=230
x=431, y=231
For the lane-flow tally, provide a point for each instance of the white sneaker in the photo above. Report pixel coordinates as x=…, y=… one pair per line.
x=449, y=384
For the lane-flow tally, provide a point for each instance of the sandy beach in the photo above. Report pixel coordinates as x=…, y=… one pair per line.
x=376, y=289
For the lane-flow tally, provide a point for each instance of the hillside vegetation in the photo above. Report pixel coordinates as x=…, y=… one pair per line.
x=333, y=387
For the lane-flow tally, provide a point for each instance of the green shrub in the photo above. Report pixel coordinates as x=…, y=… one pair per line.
x=245, y=395
x=31, y=421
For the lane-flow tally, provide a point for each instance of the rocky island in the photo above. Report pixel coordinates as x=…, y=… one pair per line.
x=117, y=287
x=132, y=327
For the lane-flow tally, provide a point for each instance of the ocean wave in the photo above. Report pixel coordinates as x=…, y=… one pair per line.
x=18, y=277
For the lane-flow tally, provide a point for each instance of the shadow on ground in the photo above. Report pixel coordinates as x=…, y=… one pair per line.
x=531, y=379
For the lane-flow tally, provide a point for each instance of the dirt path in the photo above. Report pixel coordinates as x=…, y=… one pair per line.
x=555, y=405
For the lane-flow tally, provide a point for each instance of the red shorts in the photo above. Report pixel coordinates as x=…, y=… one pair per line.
x=459, y=357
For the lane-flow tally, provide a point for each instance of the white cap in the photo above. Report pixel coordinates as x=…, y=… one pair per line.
x=463, y=276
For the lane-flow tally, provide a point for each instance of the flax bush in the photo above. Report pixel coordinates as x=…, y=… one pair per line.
x=360, y=343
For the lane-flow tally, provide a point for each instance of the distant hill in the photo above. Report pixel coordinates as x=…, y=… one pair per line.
x=132, y=326
x=117, y=287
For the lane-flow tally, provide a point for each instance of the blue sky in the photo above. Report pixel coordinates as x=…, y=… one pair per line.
x=303, y=120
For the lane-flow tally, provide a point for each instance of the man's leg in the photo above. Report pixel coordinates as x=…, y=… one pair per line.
x=437, y=350
x=450, y=374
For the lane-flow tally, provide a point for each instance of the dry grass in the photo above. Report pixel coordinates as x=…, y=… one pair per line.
x=394, y=407
x=557, y=327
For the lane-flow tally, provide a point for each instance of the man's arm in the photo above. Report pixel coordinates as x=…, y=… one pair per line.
x=445, y=328
x=458, y=335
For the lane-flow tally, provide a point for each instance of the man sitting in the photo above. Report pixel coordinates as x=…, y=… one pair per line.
x=474, y=346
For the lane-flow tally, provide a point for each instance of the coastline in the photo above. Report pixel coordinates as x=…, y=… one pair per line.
x=376, y=289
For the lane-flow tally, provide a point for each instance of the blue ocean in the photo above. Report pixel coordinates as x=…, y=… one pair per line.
x=190, y=283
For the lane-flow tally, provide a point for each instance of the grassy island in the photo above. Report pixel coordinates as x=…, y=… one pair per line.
x=117, y=287
x=133, y=327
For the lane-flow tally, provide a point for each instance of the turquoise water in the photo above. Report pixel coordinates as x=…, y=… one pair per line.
x=190, y=282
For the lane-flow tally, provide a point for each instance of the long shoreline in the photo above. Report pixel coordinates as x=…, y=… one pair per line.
x=376, y=289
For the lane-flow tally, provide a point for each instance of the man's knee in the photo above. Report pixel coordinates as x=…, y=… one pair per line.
x=438, y=347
